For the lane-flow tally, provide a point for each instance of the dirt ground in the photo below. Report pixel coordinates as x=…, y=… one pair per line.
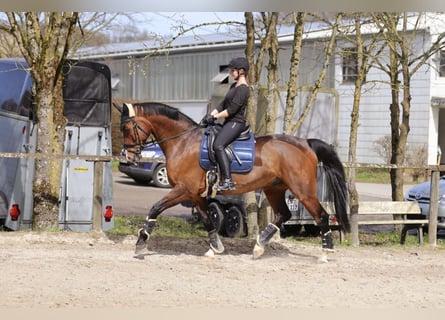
x=89, y=270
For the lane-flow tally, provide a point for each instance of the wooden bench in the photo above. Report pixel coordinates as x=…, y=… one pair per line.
x=393, y=212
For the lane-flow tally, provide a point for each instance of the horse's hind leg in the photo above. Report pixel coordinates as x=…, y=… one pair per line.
x=282, y=213
x=321, y=218
x=307, y=196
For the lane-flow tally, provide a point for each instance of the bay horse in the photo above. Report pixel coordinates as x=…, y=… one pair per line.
x=281, y=162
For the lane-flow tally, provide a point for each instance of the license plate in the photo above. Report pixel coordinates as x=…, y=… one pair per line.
x=292, y=205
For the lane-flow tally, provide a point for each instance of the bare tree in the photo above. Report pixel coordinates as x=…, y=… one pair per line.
x=269, y=44
x=317, y=85
x=292, y=85
x=365, y=49
x=399, y=30
x=272, y=92
x=44, y=41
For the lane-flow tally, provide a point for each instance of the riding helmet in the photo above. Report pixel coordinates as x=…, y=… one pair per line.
x=239, y=63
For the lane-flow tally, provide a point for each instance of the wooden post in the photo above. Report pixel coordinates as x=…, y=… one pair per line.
x=252, y=214
x=97, y=195
x=355, y=241
x=434, y=207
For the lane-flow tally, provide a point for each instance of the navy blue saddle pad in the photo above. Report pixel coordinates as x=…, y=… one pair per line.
x=244, y=149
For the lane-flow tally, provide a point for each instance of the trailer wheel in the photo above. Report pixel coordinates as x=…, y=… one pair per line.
x=234, y=222
x=312, y=230
x=3, y=208
x=216, y=212
x=290, y=229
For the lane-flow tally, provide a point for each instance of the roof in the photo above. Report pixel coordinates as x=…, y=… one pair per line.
x=185, y=42
x=142, y=47
x=313, y=30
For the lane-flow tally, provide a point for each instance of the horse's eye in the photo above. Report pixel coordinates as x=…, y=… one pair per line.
x=124, y=128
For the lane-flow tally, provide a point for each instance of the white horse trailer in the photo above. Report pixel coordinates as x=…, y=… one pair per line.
x=18, y=134
x=86, y=185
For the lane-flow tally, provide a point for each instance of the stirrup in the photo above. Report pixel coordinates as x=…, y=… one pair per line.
x=227, y=184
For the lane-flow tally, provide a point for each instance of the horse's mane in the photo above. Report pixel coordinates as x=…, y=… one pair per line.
x=158, y=108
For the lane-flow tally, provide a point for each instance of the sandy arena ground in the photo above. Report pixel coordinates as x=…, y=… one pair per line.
x=88, y=270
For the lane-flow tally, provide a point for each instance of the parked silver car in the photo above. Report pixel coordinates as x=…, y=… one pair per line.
x=421, y=194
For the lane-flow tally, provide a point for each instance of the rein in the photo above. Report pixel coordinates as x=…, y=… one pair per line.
x=137, y=127
x=177, y=135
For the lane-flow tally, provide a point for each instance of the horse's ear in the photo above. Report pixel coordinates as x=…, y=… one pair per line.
x=125, y=111
x=130, y=107
x=117, y=107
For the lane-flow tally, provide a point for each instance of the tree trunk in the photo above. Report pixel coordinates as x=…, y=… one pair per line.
x=47, y=173
x=249, y=197
x=294, y=69
x=318, y=83
x=273, y=94
x=363, y=56
x=396, y=175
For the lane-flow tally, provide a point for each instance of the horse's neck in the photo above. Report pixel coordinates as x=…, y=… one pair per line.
x=169, y=130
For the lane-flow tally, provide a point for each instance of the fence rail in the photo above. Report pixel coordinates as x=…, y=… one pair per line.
x=434, y=169
x=54, y=156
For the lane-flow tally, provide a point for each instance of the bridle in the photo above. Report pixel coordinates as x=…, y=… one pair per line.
x=135, y=127
x=140, y=144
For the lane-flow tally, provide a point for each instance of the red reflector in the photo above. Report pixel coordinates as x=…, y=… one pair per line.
x=14, y=212
x=108, y=214
x=23, y=129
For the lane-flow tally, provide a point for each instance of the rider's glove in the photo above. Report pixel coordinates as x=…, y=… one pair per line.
x=207, y=120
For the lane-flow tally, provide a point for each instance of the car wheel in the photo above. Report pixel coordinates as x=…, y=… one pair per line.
x=216, y=213
x=160, y=178
x=234, y=222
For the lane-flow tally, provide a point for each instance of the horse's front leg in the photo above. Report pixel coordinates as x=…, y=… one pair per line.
x=281, y=214
x=174, y=197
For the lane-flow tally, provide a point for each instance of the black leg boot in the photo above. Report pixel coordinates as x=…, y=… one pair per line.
x=224, y=165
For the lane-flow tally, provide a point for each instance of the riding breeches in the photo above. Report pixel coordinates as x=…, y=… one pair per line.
x=228, y=133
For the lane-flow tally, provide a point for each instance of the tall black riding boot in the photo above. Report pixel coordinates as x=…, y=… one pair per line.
x=224, y=166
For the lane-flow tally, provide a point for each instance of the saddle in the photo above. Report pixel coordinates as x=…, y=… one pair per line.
x=240, y=152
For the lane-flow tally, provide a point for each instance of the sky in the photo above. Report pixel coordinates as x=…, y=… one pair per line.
x=163, y=23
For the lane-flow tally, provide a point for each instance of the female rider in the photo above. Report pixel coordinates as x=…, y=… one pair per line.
x=232, y=109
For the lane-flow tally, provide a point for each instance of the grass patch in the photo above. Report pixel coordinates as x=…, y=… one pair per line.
x=378, y=239
x=184, y=229
x=166, y=226
x=373, y=175
x=115, y=166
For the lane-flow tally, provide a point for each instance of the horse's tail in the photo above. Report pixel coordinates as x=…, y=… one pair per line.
x=335, y=176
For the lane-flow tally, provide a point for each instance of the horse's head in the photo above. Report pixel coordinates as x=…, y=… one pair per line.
x=135, y=133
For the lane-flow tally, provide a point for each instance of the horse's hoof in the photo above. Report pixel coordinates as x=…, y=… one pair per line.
x=323, y=258
x=328, y=250
x=140, y=248
x=324, y=255
x=257, y=251
x=209, y=254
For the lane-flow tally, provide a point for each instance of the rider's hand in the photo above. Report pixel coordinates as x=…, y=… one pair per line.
x=208, y=119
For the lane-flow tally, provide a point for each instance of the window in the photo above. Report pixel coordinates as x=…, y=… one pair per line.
x=349, y=65
x=442, y=64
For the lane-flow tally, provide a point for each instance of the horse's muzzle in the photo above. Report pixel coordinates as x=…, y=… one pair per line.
x=132, y=156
